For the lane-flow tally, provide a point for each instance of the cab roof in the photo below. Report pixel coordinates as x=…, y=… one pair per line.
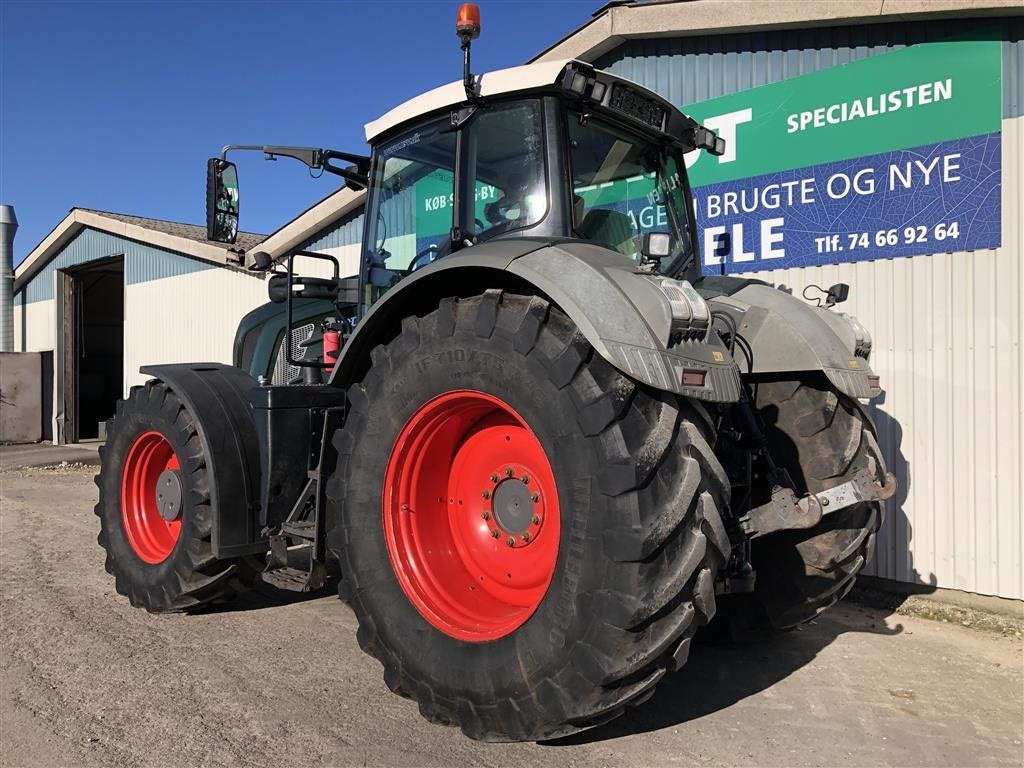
x=501, y=81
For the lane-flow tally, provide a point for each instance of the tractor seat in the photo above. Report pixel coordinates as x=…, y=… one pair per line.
x=610, y=228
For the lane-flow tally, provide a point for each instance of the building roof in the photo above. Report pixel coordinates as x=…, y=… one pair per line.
x=308, y=223
x=187, y=239
x=244, y=242
x=619, y=21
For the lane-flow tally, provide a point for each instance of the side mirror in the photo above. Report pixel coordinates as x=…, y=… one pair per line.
x=656, y=246
x=221, y=200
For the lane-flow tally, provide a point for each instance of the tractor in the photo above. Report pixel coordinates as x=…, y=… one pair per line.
x=536, y=446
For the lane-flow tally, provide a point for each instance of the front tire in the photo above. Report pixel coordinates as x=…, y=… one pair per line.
x=626, y=553
x=154, y=508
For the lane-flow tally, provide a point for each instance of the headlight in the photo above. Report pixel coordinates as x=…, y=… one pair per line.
x=690, y=313
x=862, y=347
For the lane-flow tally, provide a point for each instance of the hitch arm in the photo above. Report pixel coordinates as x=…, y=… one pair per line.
x=786, y=512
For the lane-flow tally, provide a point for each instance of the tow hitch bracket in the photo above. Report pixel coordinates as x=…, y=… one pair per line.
x=786, y=512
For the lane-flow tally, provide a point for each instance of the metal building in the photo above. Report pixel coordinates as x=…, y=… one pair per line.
x=105, y=293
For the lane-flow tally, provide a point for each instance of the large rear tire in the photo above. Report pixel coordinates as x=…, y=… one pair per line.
x=822, y=438
x=510, y=628
x=154, y=508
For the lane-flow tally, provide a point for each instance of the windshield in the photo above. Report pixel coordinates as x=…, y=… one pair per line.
x=625, y=186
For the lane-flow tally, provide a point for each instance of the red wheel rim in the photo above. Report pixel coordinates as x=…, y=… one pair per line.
x=150, y=535
x=471, y=516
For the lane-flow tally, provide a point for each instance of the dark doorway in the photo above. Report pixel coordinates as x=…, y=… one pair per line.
x=98, y=300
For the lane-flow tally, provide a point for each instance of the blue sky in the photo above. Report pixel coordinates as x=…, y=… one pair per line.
x=117, y=105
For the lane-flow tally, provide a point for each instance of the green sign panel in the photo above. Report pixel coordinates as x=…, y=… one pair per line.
x=923, y=94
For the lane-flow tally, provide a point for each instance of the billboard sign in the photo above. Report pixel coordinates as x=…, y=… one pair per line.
x=891, y=156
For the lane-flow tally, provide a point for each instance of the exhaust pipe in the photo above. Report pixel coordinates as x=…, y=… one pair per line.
x=8, y=226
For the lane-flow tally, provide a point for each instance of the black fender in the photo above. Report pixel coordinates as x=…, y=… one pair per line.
x=218, y=396
x=622, y=314
x=785, y=335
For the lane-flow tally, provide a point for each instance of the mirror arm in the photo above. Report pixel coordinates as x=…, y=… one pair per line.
x=315, y=159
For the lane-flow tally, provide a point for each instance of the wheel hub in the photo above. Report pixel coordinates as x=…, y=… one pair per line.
x=515, y=514
x=168, y=494
x=513, y=509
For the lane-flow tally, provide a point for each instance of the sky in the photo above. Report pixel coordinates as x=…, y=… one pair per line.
x=116, y=106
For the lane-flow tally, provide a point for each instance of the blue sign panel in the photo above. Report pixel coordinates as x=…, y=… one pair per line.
x=937, y=198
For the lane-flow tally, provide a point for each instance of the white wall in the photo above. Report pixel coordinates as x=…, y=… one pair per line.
x=947, y=334
x=40, y=317
x=184, y=319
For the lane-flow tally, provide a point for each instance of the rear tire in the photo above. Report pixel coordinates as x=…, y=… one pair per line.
x=160, y=565
x=640, y=538
x=822, y=438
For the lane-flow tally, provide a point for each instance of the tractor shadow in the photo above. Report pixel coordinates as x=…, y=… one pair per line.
x=718, y=676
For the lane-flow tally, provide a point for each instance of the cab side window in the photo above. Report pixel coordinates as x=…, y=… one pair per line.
x=506, y=160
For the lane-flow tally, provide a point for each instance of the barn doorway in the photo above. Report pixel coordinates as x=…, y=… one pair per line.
x=91, y=362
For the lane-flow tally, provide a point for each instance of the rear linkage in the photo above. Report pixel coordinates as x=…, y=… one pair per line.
x=784, y=510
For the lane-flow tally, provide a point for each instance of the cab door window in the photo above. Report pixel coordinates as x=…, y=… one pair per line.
x=505, y=150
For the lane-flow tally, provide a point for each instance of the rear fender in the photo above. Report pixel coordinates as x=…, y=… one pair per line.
x=786, y=335
x=623, y=315
x=217, y=395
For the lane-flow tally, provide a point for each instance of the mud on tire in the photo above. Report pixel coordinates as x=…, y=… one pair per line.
x=822, y=438
x=189, y=577
x=639, y=493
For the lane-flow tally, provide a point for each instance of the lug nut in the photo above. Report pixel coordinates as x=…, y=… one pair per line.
x=526, y=536
x=486, y=494
x=509, y=472
x=536, y=520
x=495, y=534
x=485, y=515
x=494, y=477
x=510, y=541
x=525, y=478
x=535, y=498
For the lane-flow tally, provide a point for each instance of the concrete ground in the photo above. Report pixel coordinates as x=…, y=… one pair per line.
x=87, y=680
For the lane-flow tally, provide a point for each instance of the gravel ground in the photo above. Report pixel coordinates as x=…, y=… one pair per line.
x=87, y=680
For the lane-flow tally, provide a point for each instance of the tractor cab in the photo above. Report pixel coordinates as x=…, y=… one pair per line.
x=557, y=151
x=545, y=153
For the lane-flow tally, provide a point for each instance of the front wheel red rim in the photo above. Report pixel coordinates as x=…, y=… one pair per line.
x=471, y=518
x=149, y=534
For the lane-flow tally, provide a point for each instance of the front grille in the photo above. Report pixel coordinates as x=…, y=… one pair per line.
x=283, y=372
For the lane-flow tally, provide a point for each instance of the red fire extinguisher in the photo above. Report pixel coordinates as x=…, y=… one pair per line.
x=332, y=345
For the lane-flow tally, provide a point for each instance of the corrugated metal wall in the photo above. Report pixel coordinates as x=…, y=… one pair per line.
x=142, y=262
x=204, y=309
x=947, y=327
